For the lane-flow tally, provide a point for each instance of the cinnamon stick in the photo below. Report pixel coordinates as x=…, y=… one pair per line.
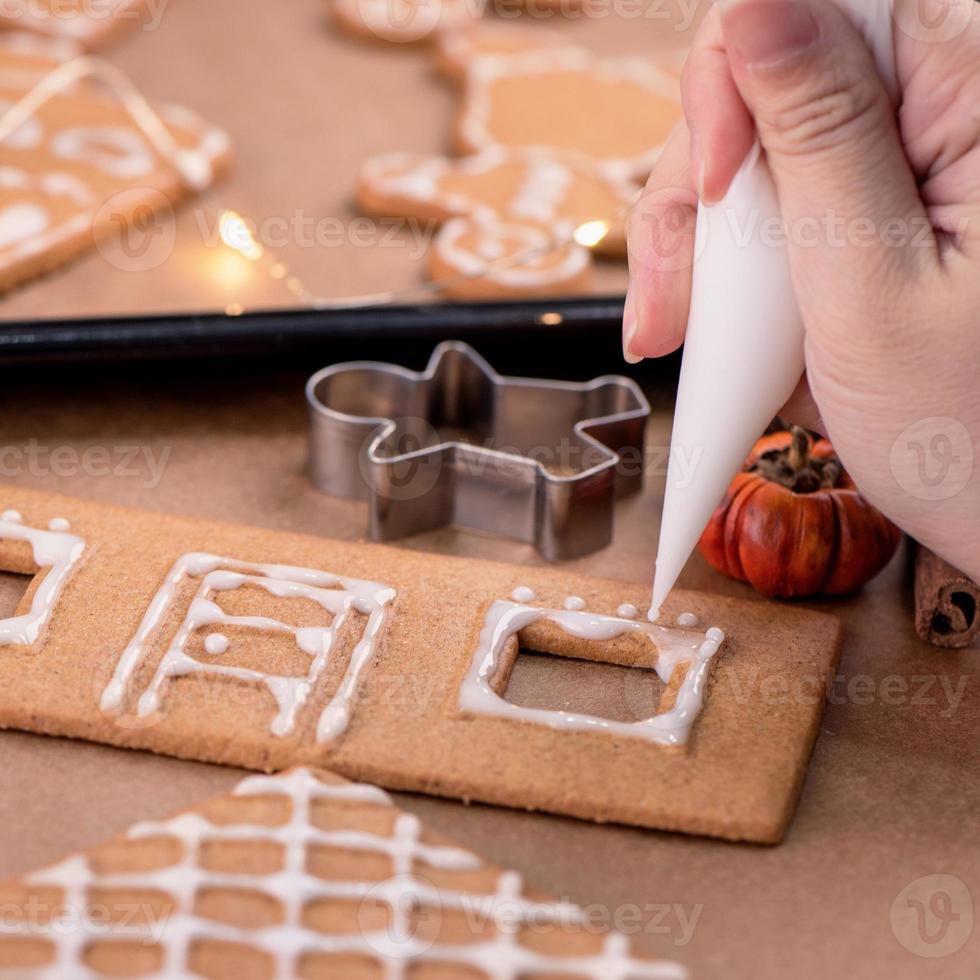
x=947, y=603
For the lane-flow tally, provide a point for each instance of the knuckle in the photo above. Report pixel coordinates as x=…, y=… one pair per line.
x=825, y=111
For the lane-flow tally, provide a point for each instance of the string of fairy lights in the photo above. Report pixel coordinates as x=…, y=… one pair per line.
x=234, y=230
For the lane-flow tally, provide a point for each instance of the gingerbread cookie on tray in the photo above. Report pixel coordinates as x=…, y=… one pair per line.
x=299, y=875
x=262, y=649
x=458, y=47
x=81, y=168
x=514, y=185
x=616, y=112
x=485, y=258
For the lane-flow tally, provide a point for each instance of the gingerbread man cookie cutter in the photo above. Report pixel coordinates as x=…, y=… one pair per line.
x=531, y=459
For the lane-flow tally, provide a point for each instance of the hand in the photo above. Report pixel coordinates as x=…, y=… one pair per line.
x=882, y=211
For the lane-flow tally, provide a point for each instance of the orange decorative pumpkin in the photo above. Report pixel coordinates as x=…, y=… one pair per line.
x=793, y=523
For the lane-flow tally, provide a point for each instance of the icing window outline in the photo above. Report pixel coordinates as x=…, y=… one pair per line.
x=55, y=550
x=338, y=595
x=505, y=619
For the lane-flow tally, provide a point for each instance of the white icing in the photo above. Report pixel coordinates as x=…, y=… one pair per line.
x=59, y=524
x=687, y=619
x=523, y=594
x=115, y=150
x=216, y=644
x=21, y=221
x=544, y=190
x=56, y=551
x=28, y=136
x=627, y=611
x=527, y=246
x=574, y=602
x=339, y=596
x=500, y=956
x=506, y=619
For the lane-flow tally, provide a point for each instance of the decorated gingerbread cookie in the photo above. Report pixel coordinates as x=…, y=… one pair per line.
x=485, y=258
x=400, y=21
x=516, y=185
x=262, y=649
x=91, y=23
x=458, y=47
x=82, y=167
x=616, y=112
x=299, y=875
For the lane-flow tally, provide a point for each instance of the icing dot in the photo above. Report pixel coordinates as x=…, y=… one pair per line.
x=715, y=634
x=687, y=619
x=216, y=643
x=628, y=611
x=59, y=524
x=195, y=169
x=522, y=594
x=574, y=602
x=12, y=515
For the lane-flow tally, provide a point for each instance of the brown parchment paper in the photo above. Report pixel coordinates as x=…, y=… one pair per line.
x=891, y=796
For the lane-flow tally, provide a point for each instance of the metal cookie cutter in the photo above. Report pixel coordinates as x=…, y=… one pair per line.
x=525, y=458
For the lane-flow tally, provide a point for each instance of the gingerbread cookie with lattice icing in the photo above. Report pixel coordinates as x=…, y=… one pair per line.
x=263, y=649
x=81, y=167
x=92, y=23
x=400, y=21
x=299, y=875
x=514, y=185
x=458, y=47
x=616, y=112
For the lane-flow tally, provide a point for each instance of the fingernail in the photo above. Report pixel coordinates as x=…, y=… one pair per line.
x=766, y=32
x=629, y=327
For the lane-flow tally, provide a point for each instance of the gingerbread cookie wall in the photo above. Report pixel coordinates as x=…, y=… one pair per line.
x=261, y=649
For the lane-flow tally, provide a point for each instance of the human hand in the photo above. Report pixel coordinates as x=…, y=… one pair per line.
x=882, y=220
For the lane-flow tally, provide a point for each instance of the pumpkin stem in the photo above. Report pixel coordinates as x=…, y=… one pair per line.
x=794, y=468
x=799, y=448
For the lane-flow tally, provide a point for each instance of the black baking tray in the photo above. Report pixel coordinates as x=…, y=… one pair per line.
x=574, y=337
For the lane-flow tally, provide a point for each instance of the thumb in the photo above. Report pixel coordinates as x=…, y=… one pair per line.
x=829, y=129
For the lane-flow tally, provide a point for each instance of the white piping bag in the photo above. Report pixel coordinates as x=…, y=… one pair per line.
x=743, y=354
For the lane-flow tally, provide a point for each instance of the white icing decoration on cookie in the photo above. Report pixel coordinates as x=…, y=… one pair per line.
x=59, y=524
x=114, y=150
x=53, y=550
x=574, y=602
x=523, y=594
x=28, y=136
x=531, y=244
x=339, y=596
x=395, y=946
x=216, y=644
x=544, y=195
x=627, y=611
x=687, y=619
x=21, y=221
x=505, y=620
